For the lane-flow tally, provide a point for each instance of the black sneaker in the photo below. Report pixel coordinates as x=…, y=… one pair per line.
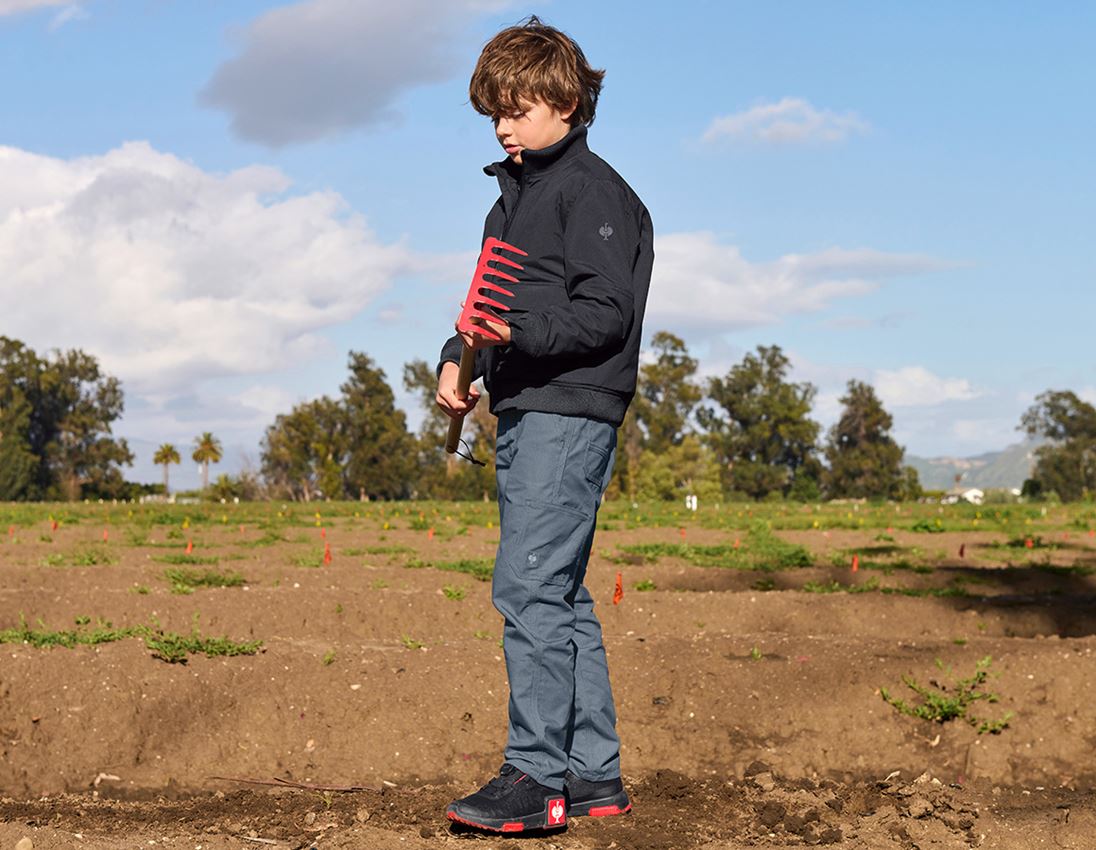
x=596, y=799
x=511, y=802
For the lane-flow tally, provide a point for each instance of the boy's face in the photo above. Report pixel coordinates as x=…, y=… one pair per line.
x=539, y=126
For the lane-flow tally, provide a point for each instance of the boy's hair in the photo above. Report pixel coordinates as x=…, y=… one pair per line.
x=533, y=61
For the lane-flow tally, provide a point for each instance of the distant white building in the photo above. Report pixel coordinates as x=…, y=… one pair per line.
x=963, y=494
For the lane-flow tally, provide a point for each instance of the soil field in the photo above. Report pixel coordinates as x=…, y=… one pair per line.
x=291, y=676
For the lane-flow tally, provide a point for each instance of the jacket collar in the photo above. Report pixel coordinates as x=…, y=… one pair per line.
x=538, y=162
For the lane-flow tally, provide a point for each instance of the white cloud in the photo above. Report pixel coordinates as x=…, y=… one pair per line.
x=317, y=68
x=701, y=284
x=916, y=386
x=67, y=15
x=790, y=120
x=172, y=275
x=991, y=431
x=11, y=7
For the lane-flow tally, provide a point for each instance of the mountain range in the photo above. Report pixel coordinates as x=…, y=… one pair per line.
x=1005, y=469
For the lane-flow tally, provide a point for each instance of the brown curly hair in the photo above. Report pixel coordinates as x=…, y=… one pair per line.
x=533, y=61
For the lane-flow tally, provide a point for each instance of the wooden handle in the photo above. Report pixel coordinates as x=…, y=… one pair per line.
x=464, y=381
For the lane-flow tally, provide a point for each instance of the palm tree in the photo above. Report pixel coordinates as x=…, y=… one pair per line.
x=207, y=450
x=165, y=455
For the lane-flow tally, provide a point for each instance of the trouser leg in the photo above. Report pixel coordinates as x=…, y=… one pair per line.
x=594, y=752
x=552, y=471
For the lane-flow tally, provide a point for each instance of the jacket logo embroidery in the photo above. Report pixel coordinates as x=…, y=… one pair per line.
x=605, y=231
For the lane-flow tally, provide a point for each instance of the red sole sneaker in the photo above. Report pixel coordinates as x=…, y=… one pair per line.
x=554, y=816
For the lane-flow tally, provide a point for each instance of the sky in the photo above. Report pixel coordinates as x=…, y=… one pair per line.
x=221, y=200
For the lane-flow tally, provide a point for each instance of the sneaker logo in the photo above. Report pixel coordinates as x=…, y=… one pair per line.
x=533, y=560
x=557, y=812
x=605, y=231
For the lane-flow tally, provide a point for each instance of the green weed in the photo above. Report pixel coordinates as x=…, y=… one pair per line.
x=92, y=557
x=761, y=550
x=186, y=581
x=269, y=538
x=42, y=638
x=183, y=558
x=941, y=702
x=312, y=560
x=480, y=569
x=168, y=646
x=175, y=648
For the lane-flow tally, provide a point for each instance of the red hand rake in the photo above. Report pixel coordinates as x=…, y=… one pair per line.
x=479, y=309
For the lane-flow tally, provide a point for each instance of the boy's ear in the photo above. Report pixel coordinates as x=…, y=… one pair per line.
x=569, y=112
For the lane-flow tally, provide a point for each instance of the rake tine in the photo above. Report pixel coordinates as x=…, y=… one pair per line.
x=492, y=243
x=494, y=287
x=506, y=261
x=491, y=302
x=485, y=329
x=495, y=273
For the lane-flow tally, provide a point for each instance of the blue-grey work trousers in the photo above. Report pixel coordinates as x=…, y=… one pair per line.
x=552, y=471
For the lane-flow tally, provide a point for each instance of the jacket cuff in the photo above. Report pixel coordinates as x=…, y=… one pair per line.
x=527, y=334
x=450, y=353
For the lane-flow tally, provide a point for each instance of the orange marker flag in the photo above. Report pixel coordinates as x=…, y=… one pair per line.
x=53, y=525
x=326, y=553
x=855, y=563
x=323, y=533
x=682, y=533
x=189, y=546
x=430, y=533
x=618, y=591
x=737, y=543
x=241, y=529
x=1029, y=543
x=105, y=535
x=11, y=531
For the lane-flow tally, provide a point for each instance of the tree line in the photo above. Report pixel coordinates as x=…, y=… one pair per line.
x=747, y=434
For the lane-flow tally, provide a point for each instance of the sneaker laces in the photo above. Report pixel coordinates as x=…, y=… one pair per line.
x=500, y=783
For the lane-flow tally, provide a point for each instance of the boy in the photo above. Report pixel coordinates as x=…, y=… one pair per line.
x=560, y=382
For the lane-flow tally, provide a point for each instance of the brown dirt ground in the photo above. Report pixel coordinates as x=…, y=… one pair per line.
x=106, y=747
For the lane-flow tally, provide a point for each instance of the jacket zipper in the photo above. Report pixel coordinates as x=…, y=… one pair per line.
x=514, y=212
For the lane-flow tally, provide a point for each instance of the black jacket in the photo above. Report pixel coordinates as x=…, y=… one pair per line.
x=577, y=312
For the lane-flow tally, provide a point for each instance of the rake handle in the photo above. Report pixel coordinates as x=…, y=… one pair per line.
x=464, y=381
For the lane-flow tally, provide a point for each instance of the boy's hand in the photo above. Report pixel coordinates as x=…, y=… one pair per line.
x=451, y=405
x=475, y=341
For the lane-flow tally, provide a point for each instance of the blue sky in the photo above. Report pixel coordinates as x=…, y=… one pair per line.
x=220, y=200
